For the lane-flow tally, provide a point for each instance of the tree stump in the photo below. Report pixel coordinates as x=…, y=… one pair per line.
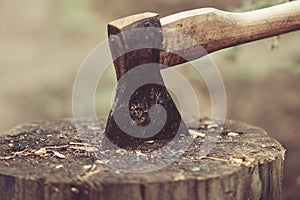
x=47, y=160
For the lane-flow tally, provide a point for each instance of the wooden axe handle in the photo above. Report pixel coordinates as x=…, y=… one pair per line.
x=215, y=29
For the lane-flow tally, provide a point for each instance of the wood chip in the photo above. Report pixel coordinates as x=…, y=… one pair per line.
x=20, y=152
x=212, y=126
x=195, y=134
x=59, y=155
x=233, y=134
x=150, y=142
x=57, y=147
x=102, y=162
x=84, y=148
x=91, y=149
x=6, y=157
x=214, y=158
x=59, y=166
x=75, y=190
x=139, y=153
x=87, y=167
x=41, y=151
x=79, y=143
x=241, y=160
x=236, y=160
x=121, y=151
x=195, y=169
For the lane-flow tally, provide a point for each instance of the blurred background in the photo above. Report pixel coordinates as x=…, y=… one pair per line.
x=43, y=43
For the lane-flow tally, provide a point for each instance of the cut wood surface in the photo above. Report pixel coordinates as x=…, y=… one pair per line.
x=215, y=29
x=48, y=160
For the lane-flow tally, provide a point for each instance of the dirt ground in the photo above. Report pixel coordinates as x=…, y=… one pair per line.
x=43, y=44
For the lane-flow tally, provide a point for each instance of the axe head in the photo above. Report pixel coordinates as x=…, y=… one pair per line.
x=143, y=109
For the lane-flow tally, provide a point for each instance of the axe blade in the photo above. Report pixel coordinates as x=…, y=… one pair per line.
x=135, y=109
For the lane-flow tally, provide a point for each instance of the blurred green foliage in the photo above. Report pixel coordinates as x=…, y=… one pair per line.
x=76, y=15
x=255, y=4
x=257, y=65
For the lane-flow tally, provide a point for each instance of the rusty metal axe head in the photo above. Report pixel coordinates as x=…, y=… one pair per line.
x=143, y=109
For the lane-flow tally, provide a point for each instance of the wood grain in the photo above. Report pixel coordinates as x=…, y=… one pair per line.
x=215, y=29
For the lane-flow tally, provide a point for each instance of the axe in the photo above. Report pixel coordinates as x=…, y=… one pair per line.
x=143, y=109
